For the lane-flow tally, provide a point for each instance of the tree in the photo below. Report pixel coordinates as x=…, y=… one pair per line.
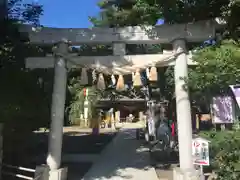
x=24, y=12
x=13, y=51
x=135, y=12
x=24, y=104
x=119, y=13
x=76, y=107
x=13, y=45
x=218, y=67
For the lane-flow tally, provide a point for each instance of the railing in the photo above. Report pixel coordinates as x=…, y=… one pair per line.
x=17, y=175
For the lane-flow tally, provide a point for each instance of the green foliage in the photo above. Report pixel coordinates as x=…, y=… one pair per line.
x=24, y=104
x=218, y=67
x=76, y=107
x=122, y=13
x=23, y=12
x=225, y=153
x=135, y=12
x=169, y=83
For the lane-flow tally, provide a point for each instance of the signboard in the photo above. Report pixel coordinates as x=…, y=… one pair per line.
x=200, y=150
x=223, y=110
x=236, y=91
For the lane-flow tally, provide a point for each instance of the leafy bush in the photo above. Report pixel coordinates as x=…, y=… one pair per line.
x=76, y=107
x=225, y=153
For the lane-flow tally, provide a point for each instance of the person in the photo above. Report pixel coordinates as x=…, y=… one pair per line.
x=160, y=148
x=163, y=132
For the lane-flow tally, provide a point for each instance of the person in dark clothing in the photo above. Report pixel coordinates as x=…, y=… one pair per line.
x=160, y=149
x=163, y=130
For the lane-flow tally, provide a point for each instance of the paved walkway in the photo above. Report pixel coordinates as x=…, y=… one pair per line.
x=123, y=159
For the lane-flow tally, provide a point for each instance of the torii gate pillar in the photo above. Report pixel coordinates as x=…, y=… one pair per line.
x=183, y=107
x=57, y=113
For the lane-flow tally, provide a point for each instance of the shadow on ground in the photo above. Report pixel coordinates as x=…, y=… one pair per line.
x=35, y=151
x=165, y=164
x=126, y=158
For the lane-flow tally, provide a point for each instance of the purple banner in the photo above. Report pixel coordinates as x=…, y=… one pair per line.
x=222, y=109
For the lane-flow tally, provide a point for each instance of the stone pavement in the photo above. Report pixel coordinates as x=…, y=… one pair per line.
x=123, y=159
x=164, y=174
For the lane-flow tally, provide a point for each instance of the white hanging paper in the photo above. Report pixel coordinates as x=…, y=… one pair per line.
x=113, y=79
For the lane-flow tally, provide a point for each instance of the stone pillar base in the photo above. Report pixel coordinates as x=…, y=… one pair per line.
x=42, y=173
x=59, y=174
x=179, y=174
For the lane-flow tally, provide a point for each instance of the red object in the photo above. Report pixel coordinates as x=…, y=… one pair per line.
x=173, y=129
x=196, y=144
x=84, y=92
x=201, y=162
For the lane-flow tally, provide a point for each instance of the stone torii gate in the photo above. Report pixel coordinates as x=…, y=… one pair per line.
x=119, y=63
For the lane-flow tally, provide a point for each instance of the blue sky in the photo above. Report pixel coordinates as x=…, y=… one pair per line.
x=68, y=13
